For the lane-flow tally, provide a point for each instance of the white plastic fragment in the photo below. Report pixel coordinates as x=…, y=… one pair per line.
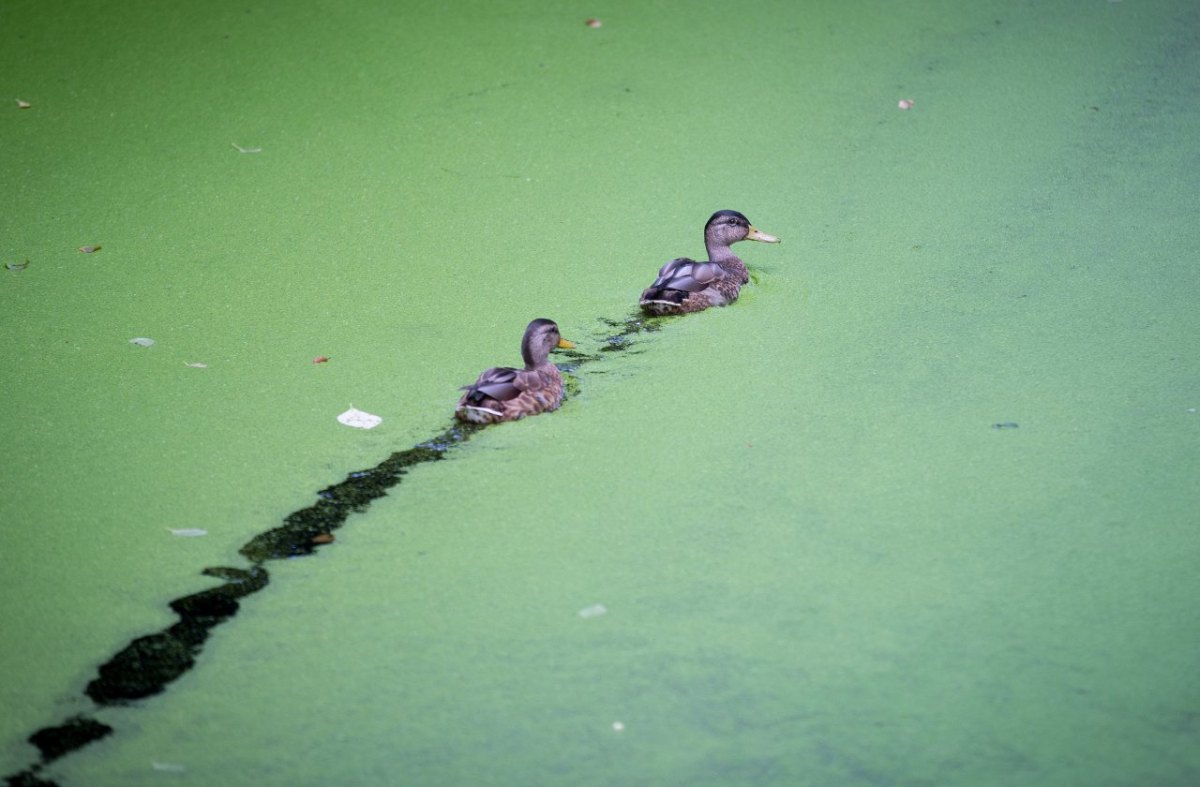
x=594, y=611
x=167, y=767
x=358, y=419
x=618, y=726
x=196, y=365
x=241, y=149
x=142, y=341
x=187, y=532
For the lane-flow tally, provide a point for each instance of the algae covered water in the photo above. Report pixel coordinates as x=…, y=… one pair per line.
x=918, y=509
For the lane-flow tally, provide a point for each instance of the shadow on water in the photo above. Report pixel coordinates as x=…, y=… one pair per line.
x=146, y=665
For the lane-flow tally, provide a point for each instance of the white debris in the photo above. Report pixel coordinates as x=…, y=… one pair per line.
x=167, y=767
x=358, y=419
x=142, y=341
x=188, y=532
x=594, y=611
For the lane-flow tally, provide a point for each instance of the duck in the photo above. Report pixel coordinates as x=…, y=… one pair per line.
x=506, y=394
x=685, y=285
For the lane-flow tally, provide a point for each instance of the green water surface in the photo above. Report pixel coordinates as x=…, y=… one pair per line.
x=821, y=561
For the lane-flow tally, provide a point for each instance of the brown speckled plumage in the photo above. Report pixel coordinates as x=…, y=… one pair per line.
x=506, y=394
x=685, y=285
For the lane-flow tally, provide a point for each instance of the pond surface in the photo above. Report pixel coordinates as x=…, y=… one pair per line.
x=920, y=508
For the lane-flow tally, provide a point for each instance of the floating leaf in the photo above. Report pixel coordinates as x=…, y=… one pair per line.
x=358, y=419
x=89, y=249
x=142, y=341
x=593, y=23
x=188, y=532
x=17, y=266
x=241, y=149
x=321, y=359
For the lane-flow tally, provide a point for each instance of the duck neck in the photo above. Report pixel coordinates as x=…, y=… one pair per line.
x=527, y=354
x=719, y=252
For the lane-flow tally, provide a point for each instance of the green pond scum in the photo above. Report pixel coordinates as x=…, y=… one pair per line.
x=918, y=508
x=149, y=663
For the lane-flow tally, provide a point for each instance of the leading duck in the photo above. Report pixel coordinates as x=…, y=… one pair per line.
x=685, y=285
x=504, y=394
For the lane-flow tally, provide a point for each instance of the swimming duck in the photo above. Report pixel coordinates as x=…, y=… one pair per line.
x=504, y=394
x=685, y=285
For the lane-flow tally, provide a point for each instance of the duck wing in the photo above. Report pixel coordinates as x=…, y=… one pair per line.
x=499, y=384
x=686, y=275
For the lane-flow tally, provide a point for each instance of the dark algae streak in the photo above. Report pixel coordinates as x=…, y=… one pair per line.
x=149, y=663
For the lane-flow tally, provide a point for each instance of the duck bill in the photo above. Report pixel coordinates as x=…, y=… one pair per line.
x=759, y=235
x=563, y=344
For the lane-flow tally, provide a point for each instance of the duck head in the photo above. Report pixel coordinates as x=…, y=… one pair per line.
x=540, y=338
x=726, y=227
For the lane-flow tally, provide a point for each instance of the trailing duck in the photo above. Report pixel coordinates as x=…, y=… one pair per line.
x=506, y=394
